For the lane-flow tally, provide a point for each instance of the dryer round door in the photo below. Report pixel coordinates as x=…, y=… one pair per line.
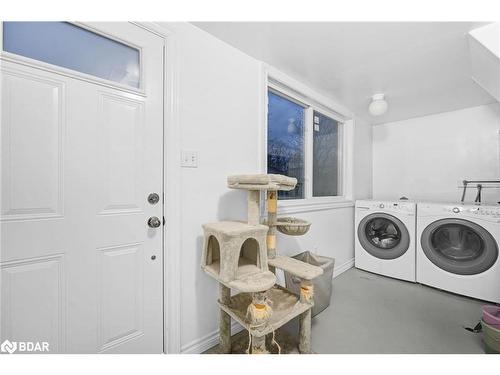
x=459, y=246
x=383, y=236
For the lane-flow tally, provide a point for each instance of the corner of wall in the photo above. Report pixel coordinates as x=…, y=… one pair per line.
x=363, y=159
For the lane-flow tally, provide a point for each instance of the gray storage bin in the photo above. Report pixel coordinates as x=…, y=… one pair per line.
x=322, y=284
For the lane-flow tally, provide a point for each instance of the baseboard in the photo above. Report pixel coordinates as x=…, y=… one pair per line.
x=340, y=269
x=206, y=342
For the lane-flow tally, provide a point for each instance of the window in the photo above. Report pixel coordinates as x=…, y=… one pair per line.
x=325, y=156
x=304, y=141
x=285, y=142
x=72, y=47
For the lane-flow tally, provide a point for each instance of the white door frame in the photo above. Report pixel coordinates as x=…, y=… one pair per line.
x=171, y=189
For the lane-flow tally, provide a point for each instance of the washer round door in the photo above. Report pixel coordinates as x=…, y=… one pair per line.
x=383, y=236
x=459, y=246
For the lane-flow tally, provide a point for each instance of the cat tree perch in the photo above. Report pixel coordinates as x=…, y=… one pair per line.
x=243, y=257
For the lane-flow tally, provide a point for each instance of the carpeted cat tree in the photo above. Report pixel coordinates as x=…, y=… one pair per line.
x=243, y=257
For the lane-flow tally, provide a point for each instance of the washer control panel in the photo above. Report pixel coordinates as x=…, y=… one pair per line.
x=389, y=206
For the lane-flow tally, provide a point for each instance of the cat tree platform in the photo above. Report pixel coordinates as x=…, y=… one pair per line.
x=286, y=306
x=249, y=278
x=295, y=267
x=261, y=182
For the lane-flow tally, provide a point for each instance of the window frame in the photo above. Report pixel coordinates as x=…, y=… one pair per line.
x=290, y=89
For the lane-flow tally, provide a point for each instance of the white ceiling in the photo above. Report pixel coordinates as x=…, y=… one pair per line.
x=422, y=67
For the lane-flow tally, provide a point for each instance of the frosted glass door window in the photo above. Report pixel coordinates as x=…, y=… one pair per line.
x=325, y=156
x=72, y=47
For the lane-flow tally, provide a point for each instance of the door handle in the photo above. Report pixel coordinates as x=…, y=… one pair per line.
x=154, y=222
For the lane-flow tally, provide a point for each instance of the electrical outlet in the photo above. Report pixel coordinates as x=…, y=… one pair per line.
x=189, y=159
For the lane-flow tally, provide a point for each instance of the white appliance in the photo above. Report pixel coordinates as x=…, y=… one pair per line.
x=457, y=248
x=385, y=238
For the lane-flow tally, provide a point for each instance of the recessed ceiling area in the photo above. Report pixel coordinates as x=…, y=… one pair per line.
x=422, y=67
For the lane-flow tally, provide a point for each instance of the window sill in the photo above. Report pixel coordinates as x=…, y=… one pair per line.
x=311, y=205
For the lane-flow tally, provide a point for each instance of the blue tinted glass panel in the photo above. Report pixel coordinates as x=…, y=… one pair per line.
x=285, y=142
x=72, y=47
x=325, y=156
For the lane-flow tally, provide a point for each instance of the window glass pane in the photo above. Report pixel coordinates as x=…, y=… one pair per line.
x=325, y=156
x=72, y=47
x=285, y=142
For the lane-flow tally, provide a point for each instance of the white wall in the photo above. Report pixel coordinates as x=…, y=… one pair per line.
x=331, y=234
x=221, y=117
x=426, y=158
x=484, y=52
x=362, y=160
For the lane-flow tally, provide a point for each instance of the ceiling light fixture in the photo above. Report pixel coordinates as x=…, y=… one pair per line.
x=378, y=106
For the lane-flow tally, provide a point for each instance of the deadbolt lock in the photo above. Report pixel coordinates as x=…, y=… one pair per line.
x=153, y=198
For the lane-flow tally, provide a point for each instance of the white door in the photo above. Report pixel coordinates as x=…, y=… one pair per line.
x=81, y=151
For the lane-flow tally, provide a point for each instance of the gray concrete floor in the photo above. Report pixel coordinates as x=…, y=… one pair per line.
x=372, y=314
x=376, y=314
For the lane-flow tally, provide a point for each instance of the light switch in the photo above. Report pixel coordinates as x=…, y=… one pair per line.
x=189, y=159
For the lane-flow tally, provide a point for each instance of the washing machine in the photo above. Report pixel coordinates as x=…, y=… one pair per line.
x=457, y=249
x=385, y=238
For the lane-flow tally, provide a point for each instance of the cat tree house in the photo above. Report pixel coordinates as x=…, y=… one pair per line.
x=242, y=257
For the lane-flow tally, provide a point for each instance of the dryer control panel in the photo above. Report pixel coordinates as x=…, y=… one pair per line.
x=484, y=211
x=489, y=211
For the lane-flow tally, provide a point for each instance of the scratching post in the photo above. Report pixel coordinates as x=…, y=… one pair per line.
x=258, y=314
x=272, y=210
x=253, y=212
x=305, y=332
x=259, y=345
x=224, y=321
x=306, y=296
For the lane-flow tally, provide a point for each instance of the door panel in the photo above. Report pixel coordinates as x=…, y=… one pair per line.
x=79, y=159
x=32, y=143
x=121, y=153
x=121, y=284
x=35, y=285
